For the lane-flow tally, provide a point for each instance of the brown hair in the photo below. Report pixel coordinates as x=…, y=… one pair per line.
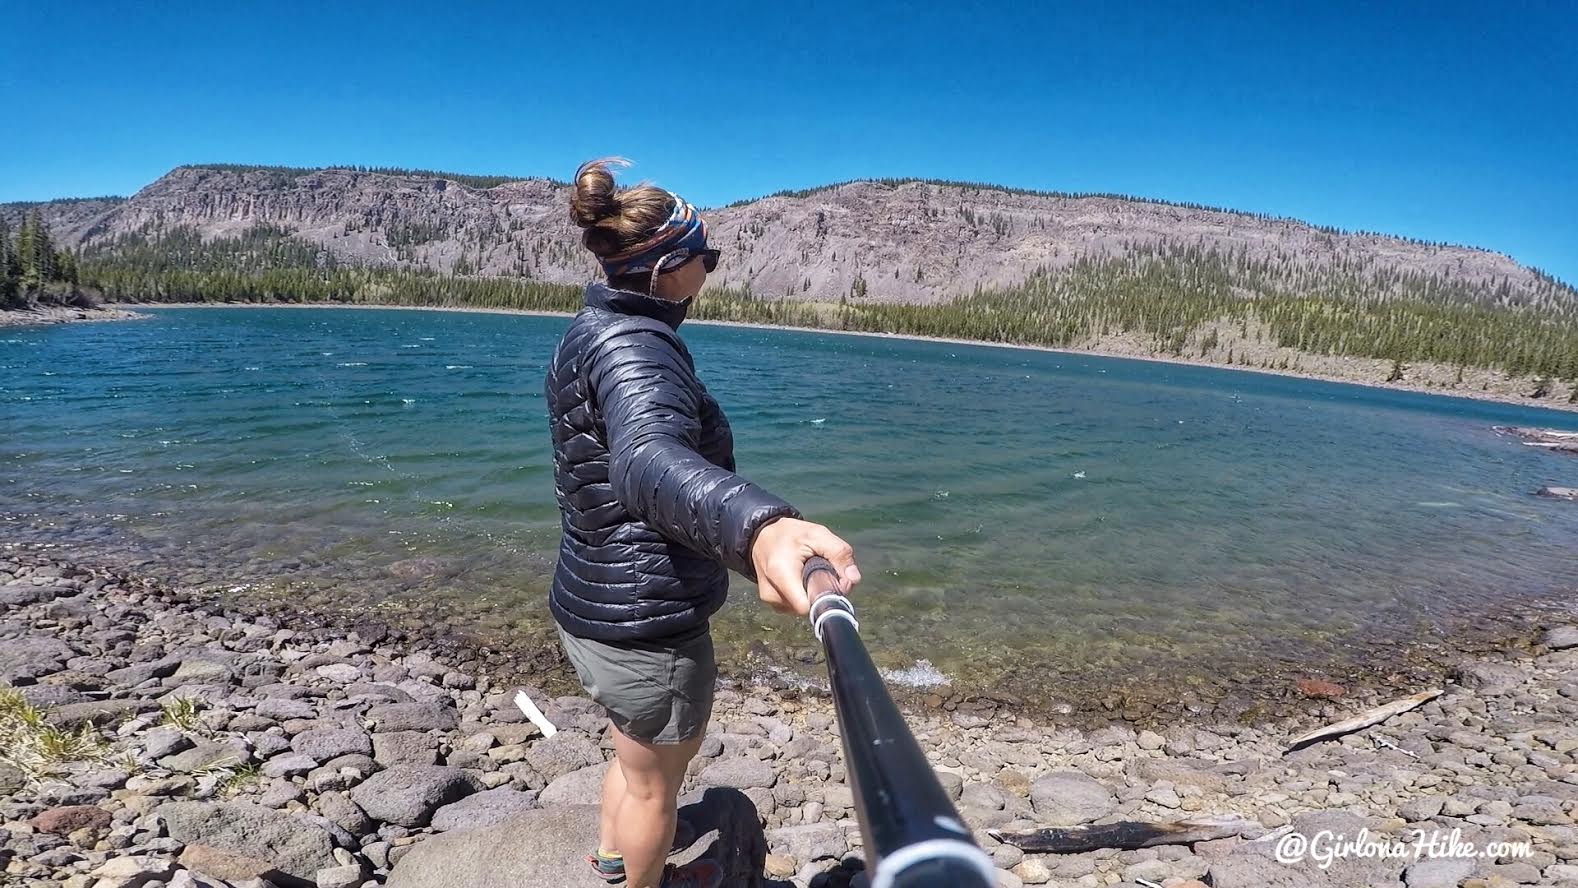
x=613, y=218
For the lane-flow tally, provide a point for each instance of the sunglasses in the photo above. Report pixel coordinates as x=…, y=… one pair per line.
x=709, y=259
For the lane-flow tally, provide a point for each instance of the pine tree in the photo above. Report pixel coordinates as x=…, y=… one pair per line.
x=36, y=253
x=10, y=270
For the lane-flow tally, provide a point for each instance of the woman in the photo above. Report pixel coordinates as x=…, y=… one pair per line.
x=654, y=517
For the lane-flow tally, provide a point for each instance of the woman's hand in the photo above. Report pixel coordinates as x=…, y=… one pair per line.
x=779, y=553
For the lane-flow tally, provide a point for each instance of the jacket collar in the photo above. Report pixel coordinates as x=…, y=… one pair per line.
x=600, y=295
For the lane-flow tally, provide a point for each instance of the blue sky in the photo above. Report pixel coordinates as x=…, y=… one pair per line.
x=1441, y=121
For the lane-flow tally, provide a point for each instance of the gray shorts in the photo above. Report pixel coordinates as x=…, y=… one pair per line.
x=654, y=693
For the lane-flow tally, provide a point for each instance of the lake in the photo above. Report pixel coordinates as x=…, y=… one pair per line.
x=1056, y=525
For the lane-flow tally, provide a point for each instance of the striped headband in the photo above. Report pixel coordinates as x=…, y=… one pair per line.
x=683, y=232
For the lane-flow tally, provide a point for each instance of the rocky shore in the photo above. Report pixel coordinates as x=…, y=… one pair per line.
x=147, y=738
x=49, y=314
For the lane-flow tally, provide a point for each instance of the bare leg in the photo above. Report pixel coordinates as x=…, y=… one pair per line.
x=644, y=820
x=613, y=791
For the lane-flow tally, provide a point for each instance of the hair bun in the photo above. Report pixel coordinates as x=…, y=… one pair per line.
x=595, y=196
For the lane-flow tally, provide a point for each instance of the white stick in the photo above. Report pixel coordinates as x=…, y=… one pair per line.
x=1365, y=719
x=535, y=714
x=1382, y=741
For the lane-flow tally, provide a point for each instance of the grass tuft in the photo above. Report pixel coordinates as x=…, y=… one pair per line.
x=184, y=713
x=29, y=743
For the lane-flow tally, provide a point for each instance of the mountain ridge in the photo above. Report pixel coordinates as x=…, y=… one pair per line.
x=880, y=240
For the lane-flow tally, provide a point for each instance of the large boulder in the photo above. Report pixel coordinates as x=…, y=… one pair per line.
x=407, y=795
x=295, y=846
x=563, y=753
x=484, y=809
x=1070, y=798
x=549, y=847
x=576, y=787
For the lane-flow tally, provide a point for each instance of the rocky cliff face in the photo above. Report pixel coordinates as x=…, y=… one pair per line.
x=910, y=241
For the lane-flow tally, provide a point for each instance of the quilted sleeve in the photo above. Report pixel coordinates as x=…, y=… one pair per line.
x=650, y=401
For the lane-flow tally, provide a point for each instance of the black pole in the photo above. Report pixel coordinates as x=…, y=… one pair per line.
x=913, y=835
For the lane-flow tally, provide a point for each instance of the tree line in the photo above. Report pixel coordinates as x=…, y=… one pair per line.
x=1167, y=294
x=32, y=270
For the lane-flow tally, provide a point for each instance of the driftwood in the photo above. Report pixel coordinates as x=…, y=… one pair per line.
x=1126, y=835
x=1364, y=719
x=1550, y=439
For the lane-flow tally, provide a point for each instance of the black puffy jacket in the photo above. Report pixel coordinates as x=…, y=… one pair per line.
x=653, y=513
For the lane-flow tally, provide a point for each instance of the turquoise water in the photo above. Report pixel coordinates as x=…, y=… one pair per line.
x=1023, y=517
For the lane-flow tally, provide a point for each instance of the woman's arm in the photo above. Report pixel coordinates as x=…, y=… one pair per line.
x=650, y=400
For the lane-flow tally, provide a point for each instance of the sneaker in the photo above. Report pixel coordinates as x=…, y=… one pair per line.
x=612, y=869
x=701, y=873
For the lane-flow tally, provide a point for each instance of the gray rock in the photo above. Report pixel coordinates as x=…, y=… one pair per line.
x=809, y=843
x=405, y=748
x=293, y=845
x=339, y=673
x=201, y=670
x=575, y=788
x=1560, y=638
x=186, y=879
x=340, y=876
x=268, y=745
x=327, y=744
x=381, y=693
x=11, y=780
x=1491, y=679
x=1562, y=874
x=484, y=809
x=208, y=755
x=229, y=866
x=407, y=795
x=281, y=793
x=109, y=778
x=562, y=753
x=281, y=709
x=65, y=794
x=1070, y=798
x=739, y=772
x=1254, y=865
x=292, y=765
x=137, y=673
x=1420, y=808
x=133, y=872
x=340, y=810
x=548, y=847
x=413, y=717
x=47, y=696
x=98, y=712
x=35, y=655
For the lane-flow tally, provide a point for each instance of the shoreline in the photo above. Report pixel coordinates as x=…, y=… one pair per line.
x=229, y=744
x=43, y=316
x=1483, y=396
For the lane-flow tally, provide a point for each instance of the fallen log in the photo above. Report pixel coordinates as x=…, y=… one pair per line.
x=1364, y=719
x=1126, y=835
